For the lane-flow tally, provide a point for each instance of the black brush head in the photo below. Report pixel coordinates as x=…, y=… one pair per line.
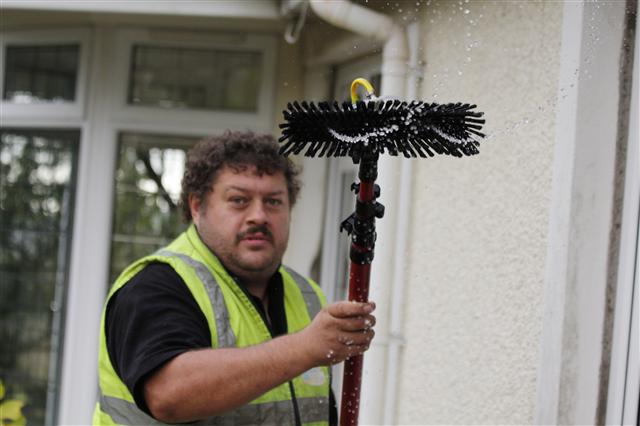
x=374, y=127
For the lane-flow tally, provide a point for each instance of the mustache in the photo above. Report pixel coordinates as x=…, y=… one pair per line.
x=263, y=229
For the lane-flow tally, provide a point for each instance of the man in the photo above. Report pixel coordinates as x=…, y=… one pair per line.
x=213, y=327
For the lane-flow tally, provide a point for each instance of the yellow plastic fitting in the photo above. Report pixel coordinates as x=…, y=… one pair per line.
x=360, y=82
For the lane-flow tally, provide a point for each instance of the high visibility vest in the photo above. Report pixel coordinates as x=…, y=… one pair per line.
x=233, y=322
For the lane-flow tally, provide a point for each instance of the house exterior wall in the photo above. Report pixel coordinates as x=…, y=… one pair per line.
x=476, y=258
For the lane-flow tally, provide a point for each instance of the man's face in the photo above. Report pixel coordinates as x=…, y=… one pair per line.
x=244, y=220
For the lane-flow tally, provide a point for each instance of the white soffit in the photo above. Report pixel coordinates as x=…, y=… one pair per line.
x=262, y=9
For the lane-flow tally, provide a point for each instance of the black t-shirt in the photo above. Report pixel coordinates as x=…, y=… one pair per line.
x=155, y=318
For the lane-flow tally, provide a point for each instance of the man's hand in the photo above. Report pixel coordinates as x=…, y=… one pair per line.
x=187, y=387
x=340, y=331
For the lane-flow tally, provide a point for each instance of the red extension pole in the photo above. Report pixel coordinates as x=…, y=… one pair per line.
x=359, y=276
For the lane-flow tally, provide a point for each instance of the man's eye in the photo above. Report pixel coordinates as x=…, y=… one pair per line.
x=238, y=200
x=274, y=201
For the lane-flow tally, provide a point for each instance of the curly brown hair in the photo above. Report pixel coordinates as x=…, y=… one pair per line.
x=237, y=150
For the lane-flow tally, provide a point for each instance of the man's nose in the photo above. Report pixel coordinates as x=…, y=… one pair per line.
x=257, y=213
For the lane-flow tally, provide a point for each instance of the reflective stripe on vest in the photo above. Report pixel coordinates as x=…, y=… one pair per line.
x=125, y=413
x=312, y=409
x=308, y=293
x=226, y=338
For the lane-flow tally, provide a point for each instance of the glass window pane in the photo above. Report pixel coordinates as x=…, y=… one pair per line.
x=41, y=73
x=147, y=191
x=37, y=186
x=172, y=77
x=344, y=241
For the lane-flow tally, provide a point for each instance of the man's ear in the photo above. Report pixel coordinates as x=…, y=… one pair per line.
x=194, y=208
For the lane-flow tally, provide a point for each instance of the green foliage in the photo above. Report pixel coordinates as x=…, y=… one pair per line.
x=11, y=409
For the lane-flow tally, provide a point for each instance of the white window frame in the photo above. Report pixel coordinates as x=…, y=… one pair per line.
x=55, y=115
x=65, y=111
x=135, y=116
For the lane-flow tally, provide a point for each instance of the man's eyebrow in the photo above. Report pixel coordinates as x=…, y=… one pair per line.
x=242, y=189
x=235, y=188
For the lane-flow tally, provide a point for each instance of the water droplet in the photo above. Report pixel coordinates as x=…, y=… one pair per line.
x=466, y=11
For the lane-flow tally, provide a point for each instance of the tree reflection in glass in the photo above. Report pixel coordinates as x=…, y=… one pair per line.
x=148, y=179
x=37, y=187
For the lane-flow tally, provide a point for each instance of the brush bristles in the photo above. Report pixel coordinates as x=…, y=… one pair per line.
x=413, y=129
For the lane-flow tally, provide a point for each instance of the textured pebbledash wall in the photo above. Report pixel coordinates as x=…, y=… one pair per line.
x=476, y=259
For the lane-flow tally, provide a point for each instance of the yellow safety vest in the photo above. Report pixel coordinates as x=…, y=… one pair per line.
x=233, y=322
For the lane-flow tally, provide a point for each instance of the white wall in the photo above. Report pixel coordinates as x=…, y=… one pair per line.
x=476, y=261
